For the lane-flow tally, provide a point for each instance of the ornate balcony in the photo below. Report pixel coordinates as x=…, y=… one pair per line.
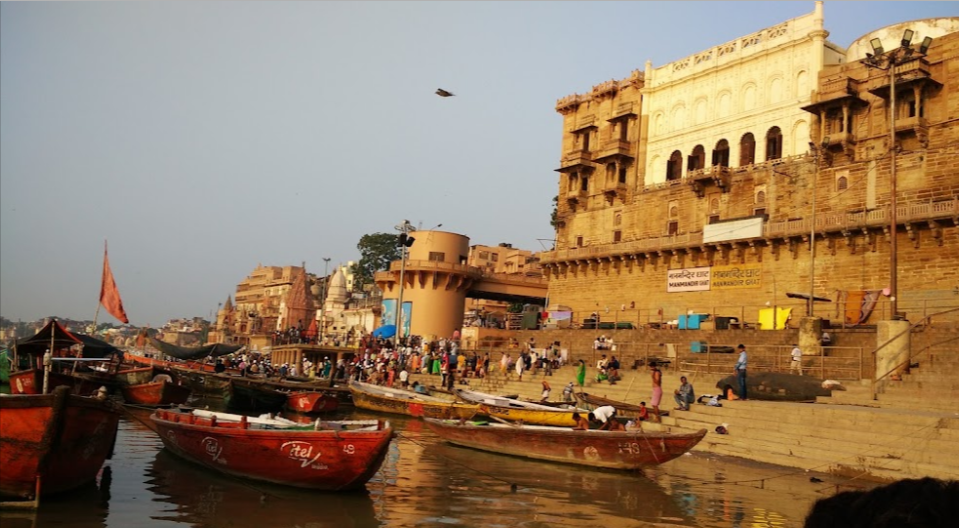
x=716, y=175
x=907, y=74
x=577, y=160
x=834, y=92
x=584, y=123
x=575, y=195
x=615, y=149
x=623, y=111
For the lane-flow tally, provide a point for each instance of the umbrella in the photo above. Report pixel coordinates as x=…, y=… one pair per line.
x=385, y=331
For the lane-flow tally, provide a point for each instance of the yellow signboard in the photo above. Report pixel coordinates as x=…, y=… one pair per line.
x=736, y=277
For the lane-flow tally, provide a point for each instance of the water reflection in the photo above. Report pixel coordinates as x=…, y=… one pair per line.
x=193, y=495
x=425, y=482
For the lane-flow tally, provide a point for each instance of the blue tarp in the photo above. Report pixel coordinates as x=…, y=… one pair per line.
x=385, y=331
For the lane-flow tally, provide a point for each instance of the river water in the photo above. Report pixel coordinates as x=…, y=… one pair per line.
x=425, y=482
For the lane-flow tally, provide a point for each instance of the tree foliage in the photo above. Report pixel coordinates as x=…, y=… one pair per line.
x=377, y=251
x=554, y=217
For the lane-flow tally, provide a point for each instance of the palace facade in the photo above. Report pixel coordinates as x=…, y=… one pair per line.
x=762, y=170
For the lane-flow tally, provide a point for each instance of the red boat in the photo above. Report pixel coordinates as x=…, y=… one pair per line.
x=71, y=354
x=323, y=455
x=51, y=443
x=630, y=449
x=156, y=393
x=312, y=402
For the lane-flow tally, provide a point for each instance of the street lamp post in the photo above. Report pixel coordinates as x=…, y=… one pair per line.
x=817, y=150
x=405, y=241
x=888, y=61
x=326, y=279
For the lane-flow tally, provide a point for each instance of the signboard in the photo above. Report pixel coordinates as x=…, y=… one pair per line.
x=687, y=279
x=733, y=230
x=736, y=277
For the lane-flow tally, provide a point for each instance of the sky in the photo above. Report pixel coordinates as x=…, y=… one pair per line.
x=202, y=139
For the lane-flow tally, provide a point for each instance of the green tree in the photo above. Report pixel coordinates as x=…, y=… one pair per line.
x=553, y=218
x=377, y=251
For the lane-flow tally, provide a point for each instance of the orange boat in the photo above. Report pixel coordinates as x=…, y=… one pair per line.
x=51, y=443
x=312, y=402
x=323, y=456
x=156, y=393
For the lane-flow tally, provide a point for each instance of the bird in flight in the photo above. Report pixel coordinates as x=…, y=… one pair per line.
x=443, y=93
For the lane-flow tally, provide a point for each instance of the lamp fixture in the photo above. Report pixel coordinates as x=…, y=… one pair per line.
x=876, y=44
x=907, y=37
x=924, y=47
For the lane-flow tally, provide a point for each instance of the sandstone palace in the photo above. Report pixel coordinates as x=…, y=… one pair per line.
x=763, y=170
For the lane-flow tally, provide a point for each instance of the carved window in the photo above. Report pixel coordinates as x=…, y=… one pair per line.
x=584, y=184
x=624, y=130
x=760, y=211
x=674, y=167
x=617, y=236
x=673, y=209
x=760, y=197
x=906, y=105
x=436, y=256
x=610, y=171
x=712, y=219
x=622, y=175
x=618, y=220
x=841, y=183
x=747, y=149
x=774, y=144
x=494, y=257
x=721, y=153
x=484, y=255
x=697, y=160
x=672, y=228
x=579, y=241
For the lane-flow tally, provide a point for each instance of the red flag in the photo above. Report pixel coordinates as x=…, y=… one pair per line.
x=109, y=294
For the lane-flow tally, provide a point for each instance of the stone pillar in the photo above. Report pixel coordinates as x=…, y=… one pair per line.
x=892, y=353
x=810, y=330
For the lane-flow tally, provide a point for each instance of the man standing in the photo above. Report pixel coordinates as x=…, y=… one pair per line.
x=684, y=395
x=568, y=392
x=796, y=363
x=741, y=371
x=657, y=396
x=546, y=390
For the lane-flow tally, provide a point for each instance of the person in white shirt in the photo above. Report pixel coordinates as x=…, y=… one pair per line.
x=605, y=415
x=796, y=363
x=404, y=378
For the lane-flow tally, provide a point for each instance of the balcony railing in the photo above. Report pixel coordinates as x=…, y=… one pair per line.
x=909, y=212
x=615, y=147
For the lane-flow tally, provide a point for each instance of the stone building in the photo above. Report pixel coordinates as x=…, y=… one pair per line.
x=697, y=186
x=271, y=298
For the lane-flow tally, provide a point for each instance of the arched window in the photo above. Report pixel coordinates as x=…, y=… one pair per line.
x=774, y=144
x=747, y=149
x=697, y=160
x=618, y=220
x=760, y=197
x=674, y=167
x=841, y=183
x=721, y=153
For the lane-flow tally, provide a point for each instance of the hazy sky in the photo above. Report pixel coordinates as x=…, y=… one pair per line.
x=201, y=139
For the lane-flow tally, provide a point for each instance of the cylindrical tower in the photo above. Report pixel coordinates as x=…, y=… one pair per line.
x=436, y=279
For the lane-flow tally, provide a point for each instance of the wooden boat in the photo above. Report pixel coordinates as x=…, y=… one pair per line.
x=323, y=455
x=52, y=443
x=511, y=410
x=156, y=393
x=399, y=401
x=208, y=384
x=632, y=449
x=251, y=396
x=135, y=375
x=312, y=402
x=623, y=409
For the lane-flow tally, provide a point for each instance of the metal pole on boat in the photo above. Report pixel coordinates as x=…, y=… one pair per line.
x=48, y=358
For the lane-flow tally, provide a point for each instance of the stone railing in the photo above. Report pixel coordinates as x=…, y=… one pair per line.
x=834, y=222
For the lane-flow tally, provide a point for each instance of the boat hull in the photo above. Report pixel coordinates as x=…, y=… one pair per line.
x=31, y=382
x=329, y=460
x=627, y=450
x=556, y=418
x=156, y=393
x=312, y=402
x=61, y=437
x=383, y=401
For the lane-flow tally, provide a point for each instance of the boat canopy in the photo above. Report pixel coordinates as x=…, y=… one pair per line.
x=214, y=350
x=62, y=339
